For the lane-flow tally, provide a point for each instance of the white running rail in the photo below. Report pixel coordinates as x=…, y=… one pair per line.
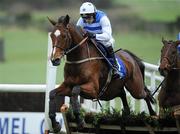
x=151, y=75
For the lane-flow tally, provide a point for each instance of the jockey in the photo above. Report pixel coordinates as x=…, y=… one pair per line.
x=98, y=26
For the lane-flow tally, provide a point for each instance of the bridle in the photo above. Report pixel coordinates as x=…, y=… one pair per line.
x=65, y=52
x=68, y=41
x=171, y=63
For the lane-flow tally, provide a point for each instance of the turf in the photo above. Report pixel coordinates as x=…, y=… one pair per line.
x=26, y=53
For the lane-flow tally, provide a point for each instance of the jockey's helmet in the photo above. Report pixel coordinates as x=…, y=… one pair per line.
x=88, y=11
x=87, y=8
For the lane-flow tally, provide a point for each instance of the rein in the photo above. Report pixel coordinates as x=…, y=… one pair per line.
x=163, y=81
x=68, y=51
x=174, y=68
x=84, y=60
x=158, y=87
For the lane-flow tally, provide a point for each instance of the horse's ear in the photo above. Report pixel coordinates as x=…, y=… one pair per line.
x=177, y=42
x=66, y=20
x=164, y=41
x=52, y=21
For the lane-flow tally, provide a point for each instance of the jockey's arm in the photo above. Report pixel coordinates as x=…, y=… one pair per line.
x=106, y=30
x=106, y=34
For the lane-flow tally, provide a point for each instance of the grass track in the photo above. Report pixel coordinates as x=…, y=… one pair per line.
x=26, y=53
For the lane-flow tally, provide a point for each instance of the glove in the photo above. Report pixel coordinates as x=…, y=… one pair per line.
x=90, y=35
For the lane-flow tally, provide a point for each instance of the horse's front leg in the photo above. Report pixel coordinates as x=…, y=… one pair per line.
x=76, y=106
x=89, y=89
x=62, y=91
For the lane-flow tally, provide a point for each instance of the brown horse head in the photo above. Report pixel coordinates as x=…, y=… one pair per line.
x=61, y=39
x=169, y=67
x=169, y=57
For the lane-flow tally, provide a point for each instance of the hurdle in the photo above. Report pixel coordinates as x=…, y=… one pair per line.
x=50, y=84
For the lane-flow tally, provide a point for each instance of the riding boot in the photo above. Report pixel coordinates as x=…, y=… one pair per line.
x=111, y=55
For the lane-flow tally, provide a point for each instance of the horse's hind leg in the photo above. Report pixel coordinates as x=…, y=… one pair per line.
x=124, y=101
x=138, y=90
x=149, y=99
x=76, y=106
x=151, y=111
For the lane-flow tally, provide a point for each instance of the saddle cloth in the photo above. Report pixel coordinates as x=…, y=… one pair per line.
x=121, y=66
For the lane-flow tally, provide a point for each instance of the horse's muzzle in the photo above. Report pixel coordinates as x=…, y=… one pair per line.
x=56, y=62
x=163, y=72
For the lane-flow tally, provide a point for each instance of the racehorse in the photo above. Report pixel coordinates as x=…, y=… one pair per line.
x=86, y=71
x=169, y=95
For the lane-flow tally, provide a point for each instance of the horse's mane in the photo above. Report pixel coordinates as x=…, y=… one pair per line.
x=60, y=19
x=71, y=25
x=133, y=55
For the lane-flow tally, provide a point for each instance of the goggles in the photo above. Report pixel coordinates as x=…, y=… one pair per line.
x=87, y=16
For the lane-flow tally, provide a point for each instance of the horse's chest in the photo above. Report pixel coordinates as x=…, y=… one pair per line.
x=76, y=77
x=170, y=94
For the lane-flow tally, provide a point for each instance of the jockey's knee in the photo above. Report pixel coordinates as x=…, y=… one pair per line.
x=76, y=91
x=52, y=94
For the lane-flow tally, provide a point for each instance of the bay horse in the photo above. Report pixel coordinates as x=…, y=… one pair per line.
x=169, y=95
x=86, y=72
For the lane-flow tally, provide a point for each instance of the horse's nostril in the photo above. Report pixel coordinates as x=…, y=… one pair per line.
x=56, y=62
x=160, y=71
x=163, y=72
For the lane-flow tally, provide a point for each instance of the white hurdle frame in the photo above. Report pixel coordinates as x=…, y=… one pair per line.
x=50, y=84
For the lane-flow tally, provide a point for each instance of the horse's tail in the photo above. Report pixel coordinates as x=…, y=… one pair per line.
x=142, y=68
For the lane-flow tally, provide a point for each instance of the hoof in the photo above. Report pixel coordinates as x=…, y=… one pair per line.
x=56, y=127
x=155, y=117
x=64, y=108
